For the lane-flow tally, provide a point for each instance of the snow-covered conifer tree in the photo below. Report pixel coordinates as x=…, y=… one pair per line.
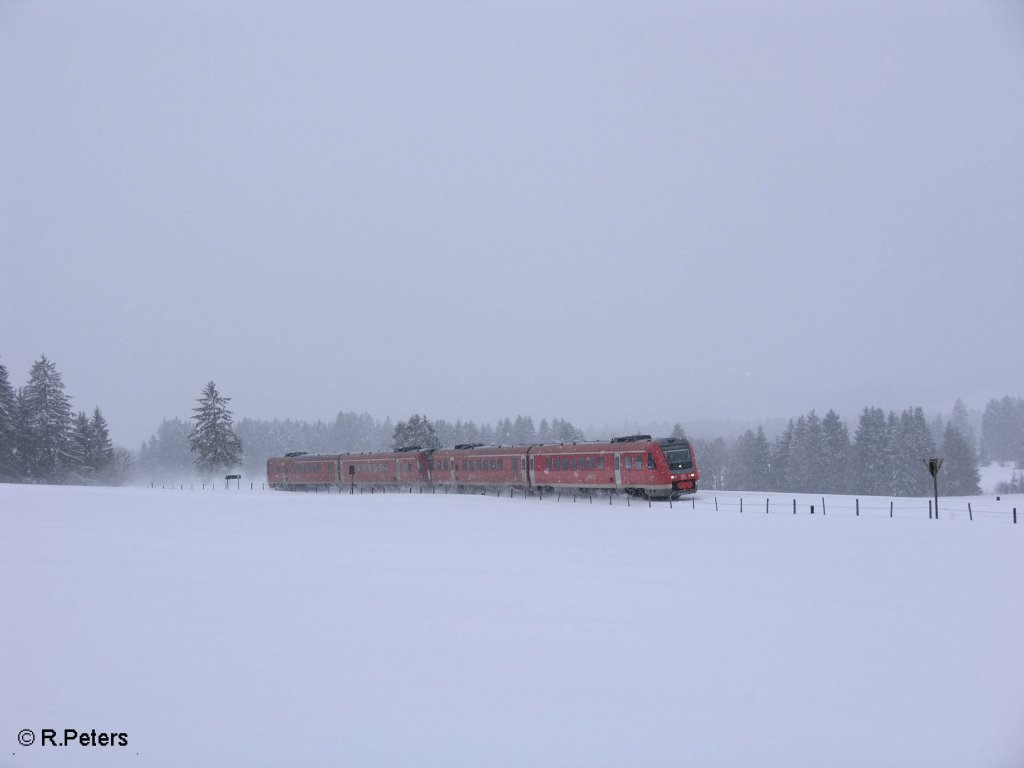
x=101, y=450
x=416, y=431
x=871, y=466
x=213, y=438
x=8, y=448
x=837, y=454
x=523, y=431
x=959, y=475
x=81, y=467
x=48, y=412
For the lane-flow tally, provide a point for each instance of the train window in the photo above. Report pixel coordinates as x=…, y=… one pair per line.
x=501, y=463
x=650, y=461
x=629, y=462
x=548, y=467
x=600, y=462
x=616, y=462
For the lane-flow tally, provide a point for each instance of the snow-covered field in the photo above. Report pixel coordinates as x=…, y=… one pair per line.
x=255, y=628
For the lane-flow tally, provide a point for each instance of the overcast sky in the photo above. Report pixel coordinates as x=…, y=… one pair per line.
x=608, y=212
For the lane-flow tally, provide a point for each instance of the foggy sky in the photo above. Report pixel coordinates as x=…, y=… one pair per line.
x=598, y=211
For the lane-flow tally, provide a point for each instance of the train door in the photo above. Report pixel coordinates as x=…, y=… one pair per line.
x=618, y=471
x=524, y=471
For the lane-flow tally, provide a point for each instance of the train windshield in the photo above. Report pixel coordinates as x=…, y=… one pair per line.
x=678, y=456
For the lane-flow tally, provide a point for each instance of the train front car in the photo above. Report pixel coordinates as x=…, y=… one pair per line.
x=635, y=464
x=681, y=461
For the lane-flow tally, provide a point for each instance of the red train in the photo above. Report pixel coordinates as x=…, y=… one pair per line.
x=658, y=469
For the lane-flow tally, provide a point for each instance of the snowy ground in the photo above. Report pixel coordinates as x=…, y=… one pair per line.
x=269, y=629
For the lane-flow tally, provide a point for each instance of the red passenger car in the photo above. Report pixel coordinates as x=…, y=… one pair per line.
x=302, y=470
x=480, y=466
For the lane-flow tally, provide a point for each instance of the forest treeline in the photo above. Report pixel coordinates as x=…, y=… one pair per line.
x=43, y=440
x=882, y=457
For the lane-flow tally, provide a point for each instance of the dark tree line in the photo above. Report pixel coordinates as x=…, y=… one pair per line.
x=814, y=454
x=43, y=440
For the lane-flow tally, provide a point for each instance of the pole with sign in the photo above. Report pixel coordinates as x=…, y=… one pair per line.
x=934, y=465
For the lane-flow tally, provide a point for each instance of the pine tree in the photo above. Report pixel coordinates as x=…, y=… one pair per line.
x=101, y=450
x=748, y=465
x=836, y=459
x=167, y=454
x=213, y=438
x=8, y=449
x=416, y=431
x=81, y=439
x=780, y=457
x=678, y=432
x=959, y=475
x=910, y=443
x=24, y=447
x=523, y=431
x=871, y=463
x=713, y=456
x=49, y=422
x=1002, y=430
x=806, y=463
x=961, y=422
x=563, y=431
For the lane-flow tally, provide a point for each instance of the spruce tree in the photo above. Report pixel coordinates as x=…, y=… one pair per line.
x=523, y=431
x=871, y=463
x=49, y=422
x=712, y=456
x=213, y=438
x=8, y=449
x=101, y=449
x=836, y=459
x=911, y=444
x=961, y=422
x=81, y=440
x=780, y=458
x=1002, y=430
x=959, y=475
x=748, y=465
x=417, y=431
x=24, y=447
